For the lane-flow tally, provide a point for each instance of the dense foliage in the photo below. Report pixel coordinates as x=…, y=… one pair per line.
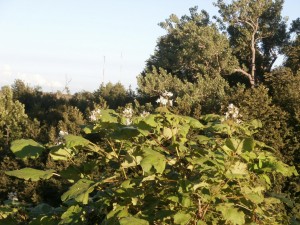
x=223, y=146
x=161, y=168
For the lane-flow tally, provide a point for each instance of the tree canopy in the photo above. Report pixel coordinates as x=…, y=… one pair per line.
x=192, y=47
x=257, y=33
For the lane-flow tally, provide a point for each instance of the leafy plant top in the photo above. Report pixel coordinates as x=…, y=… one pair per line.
x=164, y=168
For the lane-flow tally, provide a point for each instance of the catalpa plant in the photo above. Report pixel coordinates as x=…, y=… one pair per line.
x=162, y=169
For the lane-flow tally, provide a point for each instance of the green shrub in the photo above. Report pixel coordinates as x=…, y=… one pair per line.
x=159, y=168
x=205, y=95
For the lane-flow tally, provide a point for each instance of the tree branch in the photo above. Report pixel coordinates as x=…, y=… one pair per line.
x=251, y=79
x=243, y=72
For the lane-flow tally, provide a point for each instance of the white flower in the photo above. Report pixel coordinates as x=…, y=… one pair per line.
x=144, y=114
x=62, y=133
x=233, y=113
x=238, y=121
x=231, y=106
x=128, y=121
x=164, y=99
x=167, y=94
x=128, y=113
x=95, y=114
x=12, y=196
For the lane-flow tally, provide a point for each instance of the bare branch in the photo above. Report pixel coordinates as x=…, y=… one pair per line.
x=243, y=72
x=251, y=78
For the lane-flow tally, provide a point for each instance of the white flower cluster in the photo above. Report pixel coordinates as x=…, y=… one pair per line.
x=95, y=114
x=164, y=99
x=145, y=114
x=233, y=113
x=128, y=113
x=60, y=138
x=62, y=133
x=13, y=196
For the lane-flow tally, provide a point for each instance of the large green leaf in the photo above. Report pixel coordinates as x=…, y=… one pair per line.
x=234, y=144
x=239, y=145
x=210, y=117
x=256, y=124
x=32, y=174
x=6, y=210
x=79, y=191
x=203, y=139
x=112, y=218
x=167, y=133
x=143, y=128
x=87, y=129
x=248, y=144
x=72, y=215
x=153, y=159
x=151, y=120
x=44, y=220
x=109, y=115
x=185, y=200
x=284, y=169
x=182, y=218
x=117, y=211
x=231, y=214
x=237, y=170
x=125, y=133
x=194, y=123
x=223, y=128
x=71, y=173
x=132, y=221
x=61, y=153
x=41, y=209
x=26, y=148
x=253, y=194
x=73, y=141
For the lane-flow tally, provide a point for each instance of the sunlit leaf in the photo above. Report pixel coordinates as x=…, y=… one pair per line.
x=253, y=194
x=153, y=159
x=132, y=220
x=26, y=148
x=182, y=218
x=79, y=191
x=72, y=141
x=31, y=174
x=72, y=215
x=61, y=153
x=231, y=214
x=44, y=220
x=167, y=133
x=238, y=170
x=194, y=123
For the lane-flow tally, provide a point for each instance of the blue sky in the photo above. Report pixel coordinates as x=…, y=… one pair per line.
x=52, y=42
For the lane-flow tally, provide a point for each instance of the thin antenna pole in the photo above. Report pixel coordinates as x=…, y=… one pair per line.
x=121, y=64
x=103, y=72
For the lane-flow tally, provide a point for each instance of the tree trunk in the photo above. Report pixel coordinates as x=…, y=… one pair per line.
x=253, y=50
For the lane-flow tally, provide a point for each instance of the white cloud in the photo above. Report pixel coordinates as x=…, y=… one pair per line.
x=39, y=80
x=8, y=76
x=5, y=70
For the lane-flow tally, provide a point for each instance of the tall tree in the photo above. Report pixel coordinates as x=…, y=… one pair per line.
x=192, y=46
x=13, y=119
x=257, y=34
x=114, y=94
x=292, y=50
